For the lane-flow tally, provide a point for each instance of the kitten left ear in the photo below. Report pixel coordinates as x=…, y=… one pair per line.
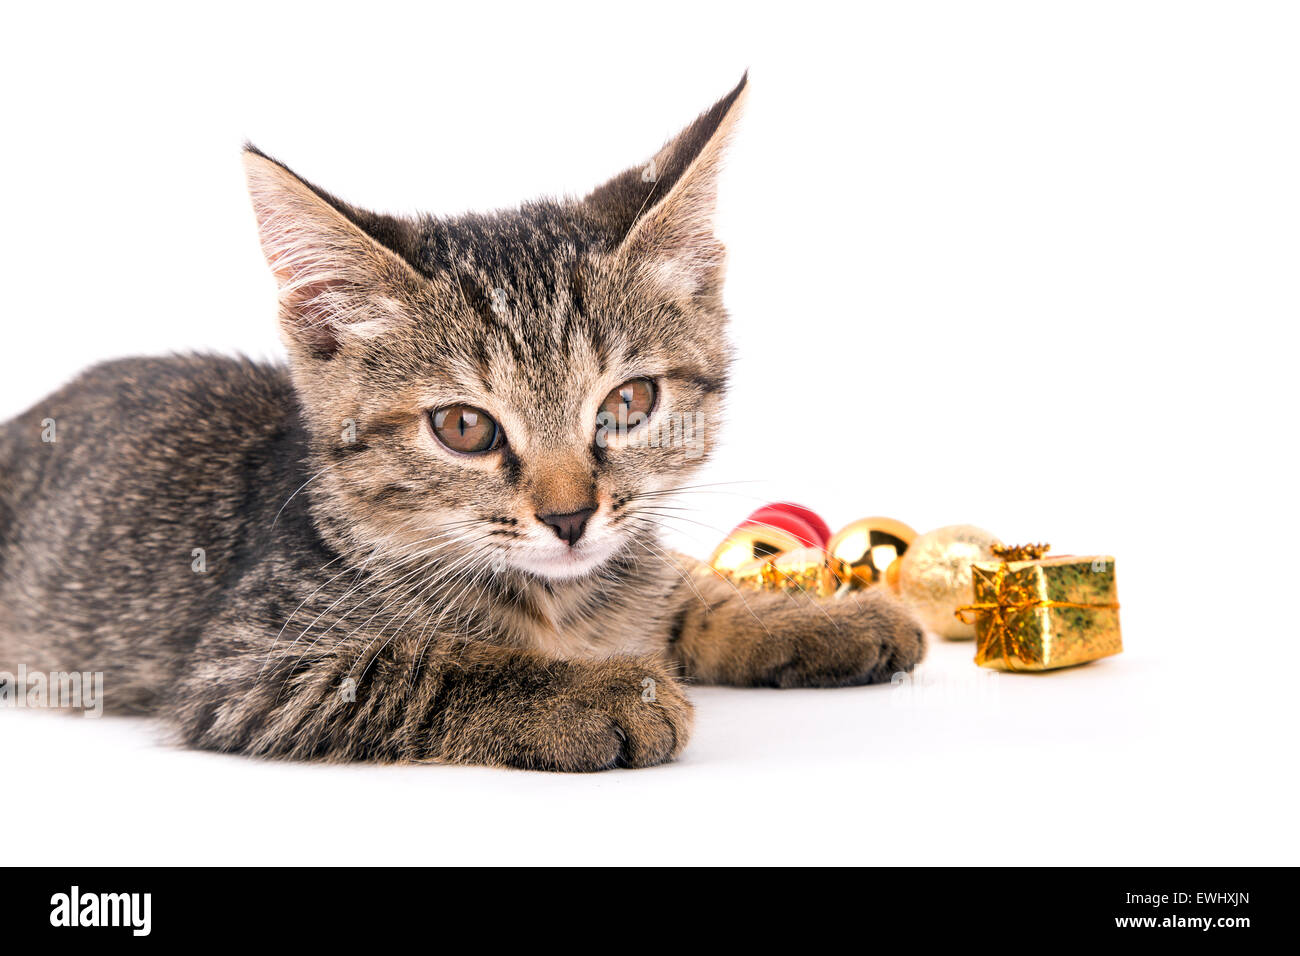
x=335, y=280
x=665, y=209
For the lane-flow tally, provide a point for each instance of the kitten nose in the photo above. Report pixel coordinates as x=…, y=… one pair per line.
x=568, y=527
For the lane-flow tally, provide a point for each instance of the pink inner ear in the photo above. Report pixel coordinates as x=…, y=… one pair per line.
x=304, y=242
x=331, y=277
x=306, y=306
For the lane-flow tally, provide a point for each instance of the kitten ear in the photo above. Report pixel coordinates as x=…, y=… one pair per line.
x=664, y=210
x=335, y=280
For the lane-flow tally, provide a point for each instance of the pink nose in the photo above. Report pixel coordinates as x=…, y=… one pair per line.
x=568, y=527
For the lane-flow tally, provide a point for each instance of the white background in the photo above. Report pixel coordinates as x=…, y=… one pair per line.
x=1029, y=266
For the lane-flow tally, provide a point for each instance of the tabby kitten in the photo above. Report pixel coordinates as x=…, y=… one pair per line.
x=434, y=535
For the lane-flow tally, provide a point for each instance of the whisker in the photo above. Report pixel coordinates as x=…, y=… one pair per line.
x=406, y=560
x=761, y=623
x=300, y=488
x=398, y=596
x=788, y=593
x=413, y=601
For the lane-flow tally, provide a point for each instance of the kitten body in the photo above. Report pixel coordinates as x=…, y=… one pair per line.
x=290, y=561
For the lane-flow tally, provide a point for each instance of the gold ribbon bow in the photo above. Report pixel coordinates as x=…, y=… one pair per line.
x=1012, y=599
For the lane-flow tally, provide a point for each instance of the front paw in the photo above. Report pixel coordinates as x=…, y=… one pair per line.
x=859, y=638
x=622, y=712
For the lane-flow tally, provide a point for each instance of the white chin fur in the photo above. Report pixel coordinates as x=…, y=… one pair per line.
x=564, y=565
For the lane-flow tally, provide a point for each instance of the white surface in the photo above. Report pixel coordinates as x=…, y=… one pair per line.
x=1136, y=759
x=1021, y=265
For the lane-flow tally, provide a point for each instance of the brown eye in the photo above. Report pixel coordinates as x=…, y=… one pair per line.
x=634, y=397
x=466, y=429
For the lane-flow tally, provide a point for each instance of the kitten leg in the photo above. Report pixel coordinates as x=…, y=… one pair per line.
x=723, y=635
x=466, y=702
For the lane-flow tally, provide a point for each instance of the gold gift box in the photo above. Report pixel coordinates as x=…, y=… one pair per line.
x=1045, y=612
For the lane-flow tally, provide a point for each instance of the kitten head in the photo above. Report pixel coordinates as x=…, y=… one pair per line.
x=516, y=385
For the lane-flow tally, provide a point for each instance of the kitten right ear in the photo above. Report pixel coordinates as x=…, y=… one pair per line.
x=335, y=281
x=662, y=213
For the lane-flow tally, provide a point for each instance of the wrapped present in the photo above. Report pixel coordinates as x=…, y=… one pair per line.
x=1034, y=613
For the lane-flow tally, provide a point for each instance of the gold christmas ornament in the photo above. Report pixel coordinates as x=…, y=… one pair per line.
x=934, y=576
x=891, y=574
x=750, y=543
x=869, y=546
